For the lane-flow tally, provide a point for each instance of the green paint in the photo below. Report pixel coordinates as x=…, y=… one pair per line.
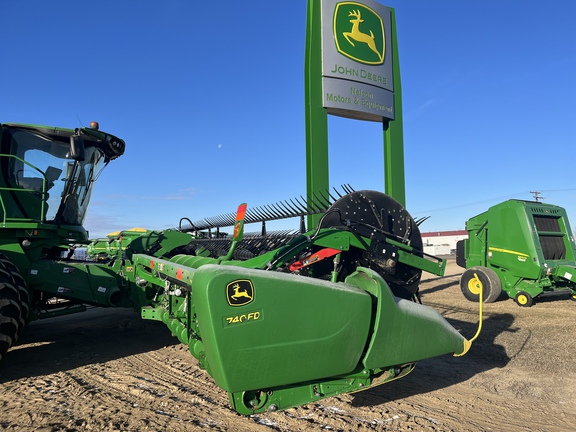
x=317, y=177
x=394, y=183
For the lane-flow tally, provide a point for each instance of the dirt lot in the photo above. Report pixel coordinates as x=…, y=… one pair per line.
x=109, y=370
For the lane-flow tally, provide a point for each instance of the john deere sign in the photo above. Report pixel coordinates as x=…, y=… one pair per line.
x=356, y=61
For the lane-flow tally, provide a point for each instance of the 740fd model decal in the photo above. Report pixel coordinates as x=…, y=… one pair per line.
x=250, y=316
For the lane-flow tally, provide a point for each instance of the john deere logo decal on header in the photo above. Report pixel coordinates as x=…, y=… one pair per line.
x=239, y=292
x=359, y=33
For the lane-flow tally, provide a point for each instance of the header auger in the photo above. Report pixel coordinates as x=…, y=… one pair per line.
x=277, y=319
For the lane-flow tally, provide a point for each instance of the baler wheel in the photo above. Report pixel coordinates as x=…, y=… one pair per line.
x=476, y=278
x=524, y=299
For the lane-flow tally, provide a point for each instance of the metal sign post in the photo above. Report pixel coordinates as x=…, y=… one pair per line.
x=352, y=70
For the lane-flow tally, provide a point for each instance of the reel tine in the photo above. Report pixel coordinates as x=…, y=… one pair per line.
x=311, y=206
x=304, y=205
x=347, y=189
x=322, y=207
x=282, y=211
x=325, y=196
x=332, y=197
x=272, y=210
x=298, y=206
x=259, y=214
x=318, y=203
x=219, y=221
x=268, y=214
x=293, y=211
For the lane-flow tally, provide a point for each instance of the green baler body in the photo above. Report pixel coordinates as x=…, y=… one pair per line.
x=529, y=245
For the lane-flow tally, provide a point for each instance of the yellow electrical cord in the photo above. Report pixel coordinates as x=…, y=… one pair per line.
x=468, y=343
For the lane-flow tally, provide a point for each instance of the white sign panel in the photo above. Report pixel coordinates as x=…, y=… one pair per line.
x=357, y=72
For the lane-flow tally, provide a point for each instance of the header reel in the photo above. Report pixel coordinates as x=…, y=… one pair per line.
x=389, y=239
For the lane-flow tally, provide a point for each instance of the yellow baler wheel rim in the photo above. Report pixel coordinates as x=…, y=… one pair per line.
x=475, y=285
x=522, y=299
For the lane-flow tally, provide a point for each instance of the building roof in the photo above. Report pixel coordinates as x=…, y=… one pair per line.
x=445, y=233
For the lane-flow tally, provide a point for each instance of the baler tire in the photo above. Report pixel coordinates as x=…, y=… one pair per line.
x=524, y=299
x=491, y=284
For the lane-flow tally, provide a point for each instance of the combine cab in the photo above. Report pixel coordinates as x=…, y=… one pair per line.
x=523, y=248
x=46, y=179
x=277, y=319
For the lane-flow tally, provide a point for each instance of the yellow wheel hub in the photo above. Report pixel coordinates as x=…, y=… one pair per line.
x=474, y=285
x=522, y=299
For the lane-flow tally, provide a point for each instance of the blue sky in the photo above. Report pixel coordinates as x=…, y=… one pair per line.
x=209, y=97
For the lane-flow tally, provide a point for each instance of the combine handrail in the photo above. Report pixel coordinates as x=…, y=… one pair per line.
x=42, y=218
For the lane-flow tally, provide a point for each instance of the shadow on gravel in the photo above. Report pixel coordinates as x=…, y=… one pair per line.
x=440, y=287
x=95, y=336
x=445, y=371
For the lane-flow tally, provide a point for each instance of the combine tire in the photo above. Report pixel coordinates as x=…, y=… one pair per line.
x=20, y=285
x=13, y=304
x=524, y=299
x=10, y=313
x=476, y=278
x=9, y=324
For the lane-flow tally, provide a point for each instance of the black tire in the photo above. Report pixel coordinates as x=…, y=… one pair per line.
x=10, y=317
x=9, y=324
x=20, y=285
x=491, y=284
x=14, y=300
x=523, y=299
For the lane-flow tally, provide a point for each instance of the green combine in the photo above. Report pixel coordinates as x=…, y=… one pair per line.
x=277, y=319
x=525, y=249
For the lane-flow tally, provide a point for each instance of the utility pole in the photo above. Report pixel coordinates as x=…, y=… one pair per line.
x=537, y=196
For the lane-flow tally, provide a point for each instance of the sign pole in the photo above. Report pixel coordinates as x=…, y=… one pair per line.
x=394, y=180
x=352, y=70
x=317, y=179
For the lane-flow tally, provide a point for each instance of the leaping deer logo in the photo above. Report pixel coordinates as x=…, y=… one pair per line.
x=239, y=292
x=359, y=32
x=358, y=36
